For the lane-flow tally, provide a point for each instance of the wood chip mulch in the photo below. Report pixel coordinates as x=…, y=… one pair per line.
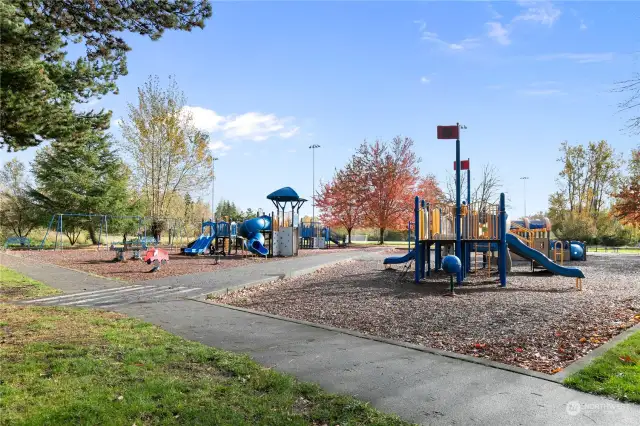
x=101, y=262
x=539, y=322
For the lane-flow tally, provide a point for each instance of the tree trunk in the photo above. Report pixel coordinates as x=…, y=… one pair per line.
x=349, y=235
x=156, y=230
x=382, y=236
x=92, y=234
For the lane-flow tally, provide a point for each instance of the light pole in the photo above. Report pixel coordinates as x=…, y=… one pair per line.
x=313, y=199
x=524, y=182
x=313, y=167
x=213, y=187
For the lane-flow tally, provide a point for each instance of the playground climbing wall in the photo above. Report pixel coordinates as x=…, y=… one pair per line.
x=285, y=242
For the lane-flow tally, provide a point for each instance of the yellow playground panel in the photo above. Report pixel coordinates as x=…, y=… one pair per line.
x=478, y=221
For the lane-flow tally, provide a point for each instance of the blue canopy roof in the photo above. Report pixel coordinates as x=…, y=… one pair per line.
x=284, y=194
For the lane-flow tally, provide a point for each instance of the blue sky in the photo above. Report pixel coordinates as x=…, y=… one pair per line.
x=269, y=79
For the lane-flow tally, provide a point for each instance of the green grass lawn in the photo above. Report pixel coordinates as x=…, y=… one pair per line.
x=63, y=366
x=15, y=286
x=616, y=373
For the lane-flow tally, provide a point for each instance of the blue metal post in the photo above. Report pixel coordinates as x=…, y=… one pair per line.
x=457, y=227
x=60, y=225
x=47, y=233
x=102, y=219
x=423, y=253
x=438, y=256
x=469, y=221
x=502, y=252
x=416, y=227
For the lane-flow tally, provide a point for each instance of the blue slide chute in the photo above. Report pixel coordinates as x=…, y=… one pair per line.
x=200, y=245
x=521, y=249
x=251, y=231
x=400, y=259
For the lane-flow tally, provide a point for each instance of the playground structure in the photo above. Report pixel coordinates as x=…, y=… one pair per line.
x=314, y=235
x=265, y=235
x=536, y=233
x=474, y=227
x=221, y=237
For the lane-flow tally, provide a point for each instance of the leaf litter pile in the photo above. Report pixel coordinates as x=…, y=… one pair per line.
x=539, y=322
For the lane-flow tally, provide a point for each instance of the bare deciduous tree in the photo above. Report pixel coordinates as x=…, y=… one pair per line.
x=631, y=86
x=486, y=191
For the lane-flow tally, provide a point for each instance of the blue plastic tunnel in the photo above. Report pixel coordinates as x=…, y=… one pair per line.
x=251, y=231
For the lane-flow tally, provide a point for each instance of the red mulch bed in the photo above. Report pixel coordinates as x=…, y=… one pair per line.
x=101, y=262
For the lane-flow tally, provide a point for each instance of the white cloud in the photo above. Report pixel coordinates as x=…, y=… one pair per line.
x=581, y=58
x=583, y=26
x=465, y=44
x=203, y=118
x=494, y=13
x=218, y=146
x=253, y=126
x=425, y=80
x=540, y=92
x=498, y=32
x=544, y=13
x=116, y=123
x=287, y=134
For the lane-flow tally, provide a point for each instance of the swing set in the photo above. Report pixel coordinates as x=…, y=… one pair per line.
x=143, y=239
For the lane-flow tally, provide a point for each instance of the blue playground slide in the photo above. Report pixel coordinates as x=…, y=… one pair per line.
x=199, y=245
x=521, y=249
x=400, y=259
x=251, y=229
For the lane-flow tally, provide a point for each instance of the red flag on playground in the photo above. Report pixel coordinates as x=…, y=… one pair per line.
x=464, y=165
x=448, y=132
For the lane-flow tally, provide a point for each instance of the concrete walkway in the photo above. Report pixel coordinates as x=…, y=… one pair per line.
x=237, y=277
x=67, y=280
x=420, y=387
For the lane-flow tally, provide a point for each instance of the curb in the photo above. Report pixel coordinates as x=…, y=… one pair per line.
x=583, y=362
x=433, y=351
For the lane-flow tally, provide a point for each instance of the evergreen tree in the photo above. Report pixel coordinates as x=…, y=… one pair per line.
x=227, y=208
x=84, y=176
x=39, y=86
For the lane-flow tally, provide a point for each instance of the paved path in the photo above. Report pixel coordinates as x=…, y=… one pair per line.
x=112, y=297
x=64, y=279
x=419, y=386
x=237, y=277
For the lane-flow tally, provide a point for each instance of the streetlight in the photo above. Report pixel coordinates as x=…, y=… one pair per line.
x=213, y=187
x=524, y=182
x=313, y=167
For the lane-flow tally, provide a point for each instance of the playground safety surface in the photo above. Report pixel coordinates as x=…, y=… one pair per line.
x=539, y=322
x=101, y=262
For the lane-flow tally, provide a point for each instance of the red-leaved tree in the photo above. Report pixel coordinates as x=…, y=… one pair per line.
x=627, y=207
x=388, y=175
x=429, y=190
x=340, y=200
